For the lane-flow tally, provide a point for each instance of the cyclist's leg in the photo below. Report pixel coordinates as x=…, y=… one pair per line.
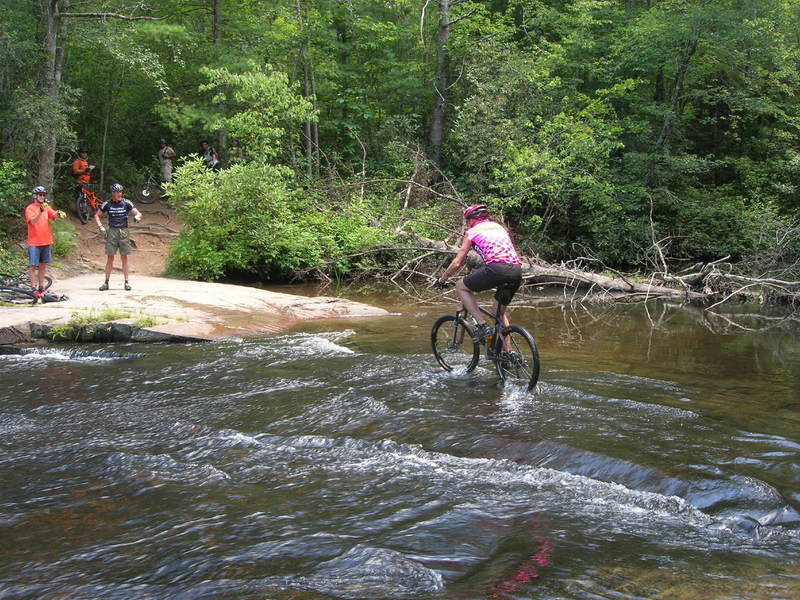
x=479, y=280
x=467, y=298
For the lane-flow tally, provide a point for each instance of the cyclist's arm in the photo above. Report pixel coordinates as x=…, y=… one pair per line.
x=97, y=215
x=458, y=261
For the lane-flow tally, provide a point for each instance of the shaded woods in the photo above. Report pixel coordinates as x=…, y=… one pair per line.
x=656, y=137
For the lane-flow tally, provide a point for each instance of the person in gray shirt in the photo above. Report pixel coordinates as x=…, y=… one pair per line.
x=165, y=156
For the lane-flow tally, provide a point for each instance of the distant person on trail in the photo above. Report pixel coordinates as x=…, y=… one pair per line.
x=165, y=156
x=235, y=151
x=117, y=237
x=210, y=157
x=38, y=215
x=502, y=268
x=81, y=170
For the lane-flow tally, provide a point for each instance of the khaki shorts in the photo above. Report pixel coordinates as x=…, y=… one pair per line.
x=118, y=239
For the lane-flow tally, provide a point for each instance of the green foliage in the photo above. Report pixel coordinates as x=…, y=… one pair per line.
x=585, y=123
x=10, y=260
x=249, y=219
x=13, y=198
x=262, y=105
x=64, y=237
x=144, y=321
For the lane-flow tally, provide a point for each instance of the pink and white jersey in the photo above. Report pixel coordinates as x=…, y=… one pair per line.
x=492, y=242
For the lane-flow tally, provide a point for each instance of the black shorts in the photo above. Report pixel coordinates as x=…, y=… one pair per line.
x=506, y=278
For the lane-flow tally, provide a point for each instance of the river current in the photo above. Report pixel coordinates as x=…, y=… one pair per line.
x=657, y=458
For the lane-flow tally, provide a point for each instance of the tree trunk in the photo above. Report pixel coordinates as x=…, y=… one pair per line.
x=216, y=40
x=441, y=83
x=309, y=93
x=672, y=111
x=53, y=66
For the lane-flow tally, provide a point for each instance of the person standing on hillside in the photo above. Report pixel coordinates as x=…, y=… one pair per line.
x=209, y=155
x=165, y=156
x=117, y=238
x=81, y=170
x=38, y=215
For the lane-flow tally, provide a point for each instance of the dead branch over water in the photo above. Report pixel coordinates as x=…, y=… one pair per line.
x=708, y=284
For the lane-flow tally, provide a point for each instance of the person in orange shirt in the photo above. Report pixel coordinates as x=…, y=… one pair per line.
x=38, y=215
x=81, y=170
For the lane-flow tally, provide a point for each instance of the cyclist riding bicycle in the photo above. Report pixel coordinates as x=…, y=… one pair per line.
x=502, y=268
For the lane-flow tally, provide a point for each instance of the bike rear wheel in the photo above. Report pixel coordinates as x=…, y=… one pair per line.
x=519, y=364
x=16, y=295
x=82, y=208
x=451, y=340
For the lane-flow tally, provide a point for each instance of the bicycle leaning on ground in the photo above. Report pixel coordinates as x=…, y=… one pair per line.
x=16, y=289
x=512, y=349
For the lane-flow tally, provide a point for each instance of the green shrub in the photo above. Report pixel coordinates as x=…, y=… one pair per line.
x=13, y=198
x=64, y=237
x=249, y=219
x=11, y=260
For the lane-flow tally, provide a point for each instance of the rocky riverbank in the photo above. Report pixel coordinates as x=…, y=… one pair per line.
x=162, y=309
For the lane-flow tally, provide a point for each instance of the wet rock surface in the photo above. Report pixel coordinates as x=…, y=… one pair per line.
x=161, y=309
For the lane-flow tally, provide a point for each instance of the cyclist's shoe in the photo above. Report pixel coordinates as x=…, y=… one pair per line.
x=481, y=332
x=104, y=287
x=37, y=295
x=127, y=287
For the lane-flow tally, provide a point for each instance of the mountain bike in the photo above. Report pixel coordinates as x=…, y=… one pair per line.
x=149, y=191
x=86, y=202
x=22, y=280
x=512, y=349
x=17, y=295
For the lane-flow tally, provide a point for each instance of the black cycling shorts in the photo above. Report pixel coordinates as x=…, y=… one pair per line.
x=506, y=278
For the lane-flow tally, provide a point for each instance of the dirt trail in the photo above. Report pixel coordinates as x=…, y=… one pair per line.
x=152, y=237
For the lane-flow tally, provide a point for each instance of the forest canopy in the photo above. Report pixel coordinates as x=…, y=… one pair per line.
x=634, y=132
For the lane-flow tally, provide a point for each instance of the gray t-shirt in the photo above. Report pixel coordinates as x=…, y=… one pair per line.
x=165, y=156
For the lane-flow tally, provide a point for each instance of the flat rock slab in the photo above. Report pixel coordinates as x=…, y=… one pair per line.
x=181, y=309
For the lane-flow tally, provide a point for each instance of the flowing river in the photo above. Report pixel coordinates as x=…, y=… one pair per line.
x=658, y=458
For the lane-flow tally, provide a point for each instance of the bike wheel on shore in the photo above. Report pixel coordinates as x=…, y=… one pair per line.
x=451, y=340
x=21, y=280
x=17, y=295
x=519, y=364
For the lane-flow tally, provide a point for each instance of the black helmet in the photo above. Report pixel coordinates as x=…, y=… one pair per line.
x=82, y=149
x=476, y=211
x=116, y=187
x=162, y=141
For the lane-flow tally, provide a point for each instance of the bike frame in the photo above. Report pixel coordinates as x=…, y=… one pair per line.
x=92, y=198
x=497, y=325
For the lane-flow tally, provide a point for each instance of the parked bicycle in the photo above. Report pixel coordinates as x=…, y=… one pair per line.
x=17, y=289
x=22, y=280
x=86, y=203
x=149, y=191
x=512, y=349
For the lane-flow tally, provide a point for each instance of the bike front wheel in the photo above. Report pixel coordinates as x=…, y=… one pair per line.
x=517, y=358
x=147, y=194
x=82, y=208
x=16, y=295
x=451, y=340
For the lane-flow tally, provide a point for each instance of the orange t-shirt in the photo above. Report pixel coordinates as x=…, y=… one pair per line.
x=39, y=233
x=78, y=166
